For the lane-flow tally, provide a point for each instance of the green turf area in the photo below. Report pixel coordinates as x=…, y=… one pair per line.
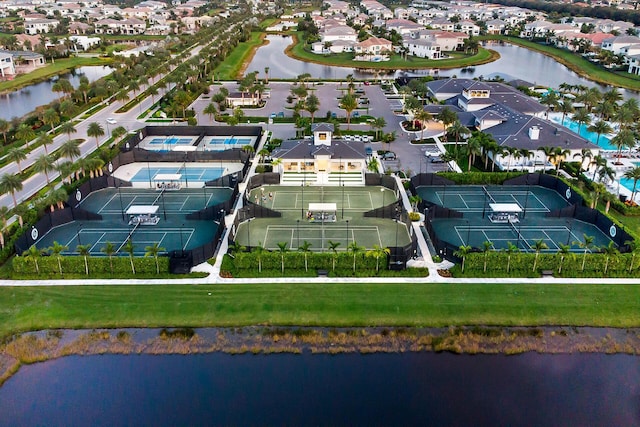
x=233, y=64
x=61, y=66
x=294, y=227
x=325, y=304
x=575, y=63
x=396, y=61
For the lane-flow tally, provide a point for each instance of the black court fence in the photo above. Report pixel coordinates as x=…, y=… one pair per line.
x=394, y=208
x=268, y=178
x=550, y=182
x=50, y=220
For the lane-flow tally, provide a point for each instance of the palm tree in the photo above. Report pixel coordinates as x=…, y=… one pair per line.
x=4, y=129
x=118, y=132
x=462, y=252
x=447, y=117
x=563, y=250
x=304, y=248
x=154, y=250
x=458, y=129
x=25, y=133
x=68, y=128
x=472, y=149
x=510, y=250
x=633, y=174
x=585, y=153
x=10, y=183
x=487, y=247
x=34, y=253
x=581, y=117
x=210, y=110
x=44, y=139
x=634, y=248
x=538, y=246
x=586, y=244
x=355, y=249
x=312, y=105
x=56, y=250
x=597, y=162
x=423, y=117
x=333, y=247
x=17, y=155
x=566, y=107
x=108, y=249
x=5, y=214
x=282, y=248
x=259, y=251
x=609, y=250
x=348, y=103
x=44, y=164
x=378, y=124
x=378, y=252
x=83, y=250
x=95, y=130
x=559, y=156
x=70, y=149
x=624, y=139
x=600, y=127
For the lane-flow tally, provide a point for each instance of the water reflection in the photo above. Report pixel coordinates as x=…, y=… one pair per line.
x=351, y=389
x=515, y=63
x=25, y=100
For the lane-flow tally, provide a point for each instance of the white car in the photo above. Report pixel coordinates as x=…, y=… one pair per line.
x=111, y=121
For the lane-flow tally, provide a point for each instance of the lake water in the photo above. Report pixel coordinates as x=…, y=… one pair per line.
x=515, y=63
x=25, y=100
x=348, y=389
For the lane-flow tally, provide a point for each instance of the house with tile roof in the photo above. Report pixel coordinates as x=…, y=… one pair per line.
x=321, y=160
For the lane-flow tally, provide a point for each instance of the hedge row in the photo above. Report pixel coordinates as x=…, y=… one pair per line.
x=315, y=261
x=522, y=264
x=97, y=265
x=476, y=178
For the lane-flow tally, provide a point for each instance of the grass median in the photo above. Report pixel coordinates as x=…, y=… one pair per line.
x=61, y=66
x=35, y=308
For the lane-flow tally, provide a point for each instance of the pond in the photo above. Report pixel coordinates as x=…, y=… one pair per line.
x=25, y=100
x=346, y=389
x=515, y=63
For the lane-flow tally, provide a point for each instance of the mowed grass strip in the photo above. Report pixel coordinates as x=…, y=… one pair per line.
x=232, y=66
x=34, y=308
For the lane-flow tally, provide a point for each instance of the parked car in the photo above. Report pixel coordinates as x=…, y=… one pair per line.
x=437, y=159
x=368, y=150
x=280, y=114
x=389, y=155
x=111, y=121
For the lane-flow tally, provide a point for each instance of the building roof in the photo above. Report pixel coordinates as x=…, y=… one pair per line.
x=293, y=149
x=323, y=127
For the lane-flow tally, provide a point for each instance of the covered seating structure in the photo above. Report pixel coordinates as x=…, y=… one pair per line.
x=504, y=212
x=143, y=215
x=322, y=212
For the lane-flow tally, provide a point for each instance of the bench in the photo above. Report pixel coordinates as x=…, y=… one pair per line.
x=547, y=273
x=323, y=273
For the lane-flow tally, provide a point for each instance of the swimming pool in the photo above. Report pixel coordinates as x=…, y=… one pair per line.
x=604, y=142
x=199, y=173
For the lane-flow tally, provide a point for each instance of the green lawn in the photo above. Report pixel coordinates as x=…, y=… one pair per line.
x=33, y=308
x=233, y=64
x=61, y=66
x=575, y=63
x=346, y=59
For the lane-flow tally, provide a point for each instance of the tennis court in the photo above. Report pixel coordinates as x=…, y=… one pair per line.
x=477, y=198
x=305, y=218
x=172, y=232
x=552, y=231
x=221, y=143
x=199, y=173
x=524, y=224
x=353, y=199
x=166, y=143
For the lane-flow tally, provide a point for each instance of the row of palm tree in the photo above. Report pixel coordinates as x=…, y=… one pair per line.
x=376, y=252
x=586, y=244
x=109, y=249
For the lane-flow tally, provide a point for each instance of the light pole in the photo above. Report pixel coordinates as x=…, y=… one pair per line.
x=302, y=207
x=78, y=230
x=570, y=226
x=121, y=207
x=382, y=190
x=347, y=235
x=108, y=131
x=164, y=211
x=181, y=241
x=249, y=233
x=342, y=201
x=298, y=230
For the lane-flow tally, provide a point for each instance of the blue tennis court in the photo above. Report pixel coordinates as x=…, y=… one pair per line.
x=190, y=173
x=171, y=141
x=229, y=141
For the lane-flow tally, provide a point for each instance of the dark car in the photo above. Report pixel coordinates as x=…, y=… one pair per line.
x=368, y=150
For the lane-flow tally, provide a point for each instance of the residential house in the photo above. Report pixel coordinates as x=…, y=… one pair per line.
x=373, y=49
x=616, y=44
x=402, y=26
x=423, y=48
x=341, y=32
x=125, y=26
x=37, y=26
x=496, y=26
x=6, y=65
x=468, y=27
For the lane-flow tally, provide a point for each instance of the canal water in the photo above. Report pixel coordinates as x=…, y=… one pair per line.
x=348, y=389
x=515, y=63
x=25, y=100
